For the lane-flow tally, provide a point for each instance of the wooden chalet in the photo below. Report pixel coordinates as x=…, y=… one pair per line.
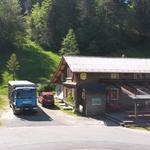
x=98, y=84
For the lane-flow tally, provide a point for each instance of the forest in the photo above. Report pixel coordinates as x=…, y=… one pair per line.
x=99, y=27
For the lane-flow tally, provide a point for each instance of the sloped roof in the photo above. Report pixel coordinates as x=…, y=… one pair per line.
x=103, y=65
x=107, y=65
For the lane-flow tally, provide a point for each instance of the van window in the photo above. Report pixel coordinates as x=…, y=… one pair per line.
x=25, y=93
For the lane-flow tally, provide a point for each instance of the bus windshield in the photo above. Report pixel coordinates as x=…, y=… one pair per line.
x=26, y=93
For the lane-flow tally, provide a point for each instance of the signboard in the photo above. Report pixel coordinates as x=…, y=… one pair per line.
x=83, y=76
x=96, y=101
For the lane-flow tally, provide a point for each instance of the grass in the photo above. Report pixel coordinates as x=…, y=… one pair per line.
x=3, y=102
x=140, y=127
x=68, y=112
x=3, y=97
x=4, y=90
x=36, y=64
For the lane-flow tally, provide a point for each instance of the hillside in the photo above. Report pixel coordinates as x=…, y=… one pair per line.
x=36, y=64
x=69, y=27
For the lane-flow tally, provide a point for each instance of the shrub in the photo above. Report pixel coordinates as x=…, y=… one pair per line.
x=46, y=87
x=70, y=98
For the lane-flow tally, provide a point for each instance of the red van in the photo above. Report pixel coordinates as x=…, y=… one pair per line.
x=46, y=99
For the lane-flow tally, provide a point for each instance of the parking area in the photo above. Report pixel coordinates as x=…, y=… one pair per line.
x=46, y=117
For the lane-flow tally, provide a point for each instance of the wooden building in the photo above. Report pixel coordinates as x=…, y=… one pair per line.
x=95, y=85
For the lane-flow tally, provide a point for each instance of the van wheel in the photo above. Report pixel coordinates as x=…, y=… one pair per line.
x=15, y=112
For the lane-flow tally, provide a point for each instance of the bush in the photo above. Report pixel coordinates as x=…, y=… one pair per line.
x=6, y=76
x=70, y=98
x=46, y=87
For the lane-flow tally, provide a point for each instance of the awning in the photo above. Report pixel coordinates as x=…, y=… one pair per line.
x=141, y=96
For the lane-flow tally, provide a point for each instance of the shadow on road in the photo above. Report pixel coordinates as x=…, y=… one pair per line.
x=39, y=115
x=106, y=121
x=52, y=107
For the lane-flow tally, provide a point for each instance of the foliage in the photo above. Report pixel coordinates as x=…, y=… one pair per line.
x=6, y=76
x=11, y=25
x=37, y=64
x=139, y=127
x=13, y=65
x=4, y=91
x=69, y=44
x=26, y=5
x=47, y=87
x=2, y=103
x=70, y=98
x=31, y=69
x=102, y=27
x=37, y=23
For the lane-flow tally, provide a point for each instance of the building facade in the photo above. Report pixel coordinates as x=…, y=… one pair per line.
x=95, y=85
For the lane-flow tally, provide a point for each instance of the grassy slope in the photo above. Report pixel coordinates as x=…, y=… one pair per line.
x=36, y=64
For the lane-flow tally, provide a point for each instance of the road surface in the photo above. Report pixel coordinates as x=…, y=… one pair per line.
x=51, y=129
x=45, y=117
x=91, y=137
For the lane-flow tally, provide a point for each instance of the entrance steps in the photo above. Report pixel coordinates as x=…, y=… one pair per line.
x=117, y=120
x=125, y=121
x=67, y=108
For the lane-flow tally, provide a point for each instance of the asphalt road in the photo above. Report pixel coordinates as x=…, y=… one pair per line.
x=45, y=117
x=51, y=129
x=90, y=137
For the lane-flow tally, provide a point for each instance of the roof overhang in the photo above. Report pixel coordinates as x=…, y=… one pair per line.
x=60, y=68
x=79, y=64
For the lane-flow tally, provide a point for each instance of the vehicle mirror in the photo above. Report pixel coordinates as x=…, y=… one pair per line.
x=13, y=94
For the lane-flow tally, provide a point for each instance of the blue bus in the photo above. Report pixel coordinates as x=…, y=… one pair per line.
x=22, y=96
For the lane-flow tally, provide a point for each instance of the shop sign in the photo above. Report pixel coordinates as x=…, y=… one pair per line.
x=83, y=76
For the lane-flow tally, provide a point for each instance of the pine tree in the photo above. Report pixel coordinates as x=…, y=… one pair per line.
x=69, y=44
x=13, y=65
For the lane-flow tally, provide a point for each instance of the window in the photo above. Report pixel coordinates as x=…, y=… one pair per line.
x=114, y=94
x=62, y=77
x=26, y=93
x=96, y=101
x=147, y=76
x=114, y=76
x=139, y=76
x=69, y=72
